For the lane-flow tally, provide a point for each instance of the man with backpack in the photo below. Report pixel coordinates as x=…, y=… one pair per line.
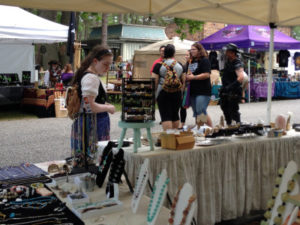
x=169, y=85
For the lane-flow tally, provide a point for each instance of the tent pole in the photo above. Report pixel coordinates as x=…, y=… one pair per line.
x=270, y=72
x=249, y=64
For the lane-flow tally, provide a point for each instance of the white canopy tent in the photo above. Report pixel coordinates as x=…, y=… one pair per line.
x=144, y=57
x=249, y=12
x=19, y=30
x=20, y=26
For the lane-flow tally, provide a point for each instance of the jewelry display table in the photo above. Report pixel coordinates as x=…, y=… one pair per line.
x=230, y=179
x=124, y=216
x=136, y=133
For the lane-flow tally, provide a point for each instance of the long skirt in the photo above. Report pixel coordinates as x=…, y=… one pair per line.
x=97, y=129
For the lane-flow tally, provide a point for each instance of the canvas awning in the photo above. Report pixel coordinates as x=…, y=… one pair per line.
x=255, y=12
x=247, y=12
x=20, y=26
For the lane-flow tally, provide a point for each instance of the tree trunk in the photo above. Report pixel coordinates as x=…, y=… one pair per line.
x=121, y=18
x=47, y=14
x=63, y=58
x=78, y=36
x=126, y=18
x=51, y=50
x=65, y=17
x=104, y=29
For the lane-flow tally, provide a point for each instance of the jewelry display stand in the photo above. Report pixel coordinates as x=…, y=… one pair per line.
x=294, y=216
x=140, y=185
x=138, y=109
x=182, y=206
x=287, y=176
x=158, y=196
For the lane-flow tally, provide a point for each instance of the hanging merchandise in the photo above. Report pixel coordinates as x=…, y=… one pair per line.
x=183, y=206
x=116, y=171
x=283, y=58
x=140, y=185
x=213, y=59
x=157, y=197
x=105, y=161
x=285, y=185
x=221, y=60
x=297, y=60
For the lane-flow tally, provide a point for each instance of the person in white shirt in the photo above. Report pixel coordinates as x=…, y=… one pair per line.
x=93, y=103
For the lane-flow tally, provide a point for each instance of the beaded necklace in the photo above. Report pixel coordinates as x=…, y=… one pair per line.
x=151, y=215
x=173, y=207
x=187, y=209
x=137, y=189
x=284, y=197
x=101, y=167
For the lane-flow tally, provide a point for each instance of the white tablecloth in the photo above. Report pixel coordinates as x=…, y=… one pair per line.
x=230, y=179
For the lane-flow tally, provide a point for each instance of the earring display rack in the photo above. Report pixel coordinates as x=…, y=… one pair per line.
x=138, y=100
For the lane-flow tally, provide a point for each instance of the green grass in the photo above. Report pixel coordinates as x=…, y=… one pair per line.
x=15, y=115
x=118, y=106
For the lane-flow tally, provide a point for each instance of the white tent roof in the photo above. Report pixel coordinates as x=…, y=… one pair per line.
x=248, y=12
x=20, y=26
x=180, y=46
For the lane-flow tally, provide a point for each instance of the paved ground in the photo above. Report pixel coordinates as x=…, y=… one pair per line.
x=36, y=140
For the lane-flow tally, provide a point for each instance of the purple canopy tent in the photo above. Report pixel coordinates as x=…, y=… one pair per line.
x=248, y=36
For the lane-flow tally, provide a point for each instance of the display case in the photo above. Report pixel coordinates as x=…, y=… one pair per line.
x=9, y=79
x=138, y=100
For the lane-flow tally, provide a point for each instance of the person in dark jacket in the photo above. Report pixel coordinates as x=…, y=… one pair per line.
x=231, y=91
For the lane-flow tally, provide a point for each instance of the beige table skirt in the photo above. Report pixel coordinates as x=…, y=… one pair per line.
x=230, y=179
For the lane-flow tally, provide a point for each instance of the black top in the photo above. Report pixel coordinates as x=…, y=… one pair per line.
x=283, y=58
x=213, y=58
x=200, y=87
x=101, y=97
x=229, y=75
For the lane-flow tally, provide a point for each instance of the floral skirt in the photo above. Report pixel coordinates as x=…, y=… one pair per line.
x=97, y=129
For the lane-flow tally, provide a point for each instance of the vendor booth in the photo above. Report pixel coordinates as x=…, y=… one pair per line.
x=18, y=34
x=229, y=175
x=144, y=57
x=257, y=39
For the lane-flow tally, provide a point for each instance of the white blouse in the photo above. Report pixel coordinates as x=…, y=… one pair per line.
x=90, y=85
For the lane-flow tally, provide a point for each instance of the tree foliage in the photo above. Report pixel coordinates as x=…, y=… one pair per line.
x=184, y=25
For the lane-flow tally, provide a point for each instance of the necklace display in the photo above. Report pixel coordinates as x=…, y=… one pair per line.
x=173, y=207
x=140, y=185
x=152, y=213
x=22, y=171
x=22, y=205
x=102, y=165
x=138, y=188
x=187, y=209
x=278, y=219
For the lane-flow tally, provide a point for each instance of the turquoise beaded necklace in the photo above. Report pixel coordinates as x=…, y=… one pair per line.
x=150, y=214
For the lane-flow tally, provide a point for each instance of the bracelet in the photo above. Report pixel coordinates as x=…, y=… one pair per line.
x=37, y=185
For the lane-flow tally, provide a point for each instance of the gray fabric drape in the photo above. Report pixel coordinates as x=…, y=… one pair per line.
x=229, y=179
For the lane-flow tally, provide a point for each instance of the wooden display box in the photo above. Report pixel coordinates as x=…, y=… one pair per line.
x=184, y=140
